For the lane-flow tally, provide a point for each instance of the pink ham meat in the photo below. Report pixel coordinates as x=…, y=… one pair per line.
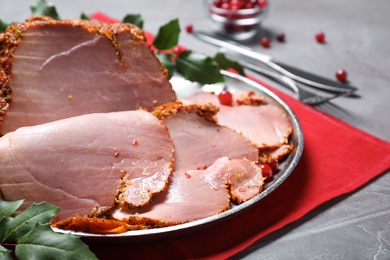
x=59, y=69
x=198, y=140
x=197, y=194
x=84, y=164
x=265, y=125
x=200, y=183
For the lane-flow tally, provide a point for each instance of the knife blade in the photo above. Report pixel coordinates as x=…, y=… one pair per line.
x=294, y=73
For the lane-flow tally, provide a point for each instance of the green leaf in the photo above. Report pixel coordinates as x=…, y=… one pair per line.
x=14, y=228
x=167, y=36
x=198, y=67
x=41, y=7
x=85, y=17
x=7, y=208
x=3, y=25
x=167, y=62
x=46, y=244
x=135, y=19
x=226, y=63
x=5, y=254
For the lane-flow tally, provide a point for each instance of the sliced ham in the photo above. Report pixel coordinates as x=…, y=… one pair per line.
x=197, y=194
x=266, y=125
x=209, y=159
x=53, y=69
x=85, y=164
x=198, y=140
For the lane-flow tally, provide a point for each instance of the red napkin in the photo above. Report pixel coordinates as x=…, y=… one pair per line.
x=338, y=158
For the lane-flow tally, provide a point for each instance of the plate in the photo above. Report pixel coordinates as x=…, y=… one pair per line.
x=233, y=83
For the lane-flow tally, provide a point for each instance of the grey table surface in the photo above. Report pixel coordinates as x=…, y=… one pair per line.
x=355, y=226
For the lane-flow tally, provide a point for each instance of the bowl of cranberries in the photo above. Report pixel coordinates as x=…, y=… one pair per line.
x=237, y=19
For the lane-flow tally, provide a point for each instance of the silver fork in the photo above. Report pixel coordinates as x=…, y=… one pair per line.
x=304, y=95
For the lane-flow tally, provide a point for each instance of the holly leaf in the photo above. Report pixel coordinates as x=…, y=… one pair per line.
x=226, y=63
x=198, y=67
x=167, y=62
x=135, y=19
x=14, y=228
x=7, y=208
x=47, y=244
x=5, y=254
x=41, y=7
x=3, y=25
x=85, y=17
x=167, y=36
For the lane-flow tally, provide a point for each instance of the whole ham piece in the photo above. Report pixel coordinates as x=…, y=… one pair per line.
x=88, y=163
x=51, y=70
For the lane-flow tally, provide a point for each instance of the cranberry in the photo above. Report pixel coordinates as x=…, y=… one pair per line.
x=265, y=42
x=262, y=3
x=225, y=98
x=177, y=50
x=341, y=75
x=248, y=5
x=266, y=170
x=320, y=37
x=239, y=4
x=280, y=37
x=274, y=164
x=189, y=28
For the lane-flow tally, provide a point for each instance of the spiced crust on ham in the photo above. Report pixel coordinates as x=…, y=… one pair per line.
x=124, y=73
x=207, y=111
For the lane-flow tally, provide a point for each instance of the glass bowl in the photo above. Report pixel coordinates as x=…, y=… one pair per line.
x=237, y=23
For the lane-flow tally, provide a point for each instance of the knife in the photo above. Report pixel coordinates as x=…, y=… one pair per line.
x=286, y=70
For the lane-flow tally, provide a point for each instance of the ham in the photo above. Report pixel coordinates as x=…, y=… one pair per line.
x=197, y=194
x=86, y=164
x=212, y=163
x=53, y=69
x=265, y=125
x=199, y=140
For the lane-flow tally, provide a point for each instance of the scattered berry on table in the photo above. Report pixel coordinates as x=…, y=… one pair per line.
x=320, y=37
x=189, y=28
x=281, y=37
x=341, y=75
x=265, y=42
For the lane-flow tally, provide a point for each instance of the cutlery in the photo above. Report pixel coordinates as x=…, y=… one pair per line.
x=286, y=70
x=304, y=95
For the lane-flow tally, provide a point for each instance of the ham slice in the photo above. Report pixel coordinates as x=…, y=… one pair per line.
x=85, y=164
x=197, y=194
x=199, y=140
x=265, y=125
x=53, y=69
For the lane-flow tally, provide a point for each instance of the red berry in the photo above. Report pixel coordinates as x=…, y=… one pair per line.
x=320, y=37
x=189, y=28
x=265, y=42
x=274, y=164
x=248, y=5
x=280, y=37
x=266, y=170
x=262, y=3
x=225, y=98
x=341, y=75
x=177, y=50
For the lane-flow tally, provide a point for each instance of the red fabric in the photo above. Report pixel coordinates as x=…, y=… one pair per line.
x=338, y=158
